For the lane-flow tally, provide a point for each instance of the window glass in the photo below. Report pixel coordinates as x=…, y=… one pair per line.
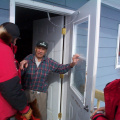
x=80, y=46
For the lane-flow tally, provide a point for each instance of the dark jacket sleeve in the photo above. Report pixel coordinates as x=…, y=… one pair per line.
x=12, y=91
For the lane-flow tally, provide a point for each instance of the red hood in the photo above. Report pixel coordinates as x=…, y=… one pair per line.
x=13, y=47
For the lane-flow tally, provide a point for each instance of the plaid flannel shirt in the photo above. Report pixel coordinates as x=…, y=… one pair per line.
x=35, y=78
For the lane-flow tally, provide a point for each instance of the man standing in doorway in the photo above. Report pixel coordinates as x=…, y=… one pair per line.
x=37, y=68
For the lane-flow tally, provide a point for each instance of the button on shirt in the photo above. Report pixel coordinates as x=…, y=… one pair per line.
x=35, y=78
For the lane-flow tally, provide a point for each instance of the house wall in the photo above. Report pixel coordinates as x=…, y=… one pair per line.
x=70, y=4
x=106, y=72
x=4, y=11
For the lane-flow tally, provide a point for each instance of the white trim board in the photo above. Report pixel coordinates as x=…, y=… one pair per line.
x=37, y=6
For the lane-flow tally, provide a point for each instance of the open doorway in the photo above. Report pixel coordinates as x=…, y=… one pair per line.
x=34, y=25
x=24, y=18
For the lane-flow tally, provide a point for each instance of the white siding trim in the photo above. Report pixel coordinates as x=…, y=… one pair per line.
x=96, y=52
x=12, y=11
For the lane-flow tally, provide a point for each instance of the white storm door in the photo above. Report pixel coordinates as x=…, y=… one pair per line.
x=45, y=31
x=82, y=37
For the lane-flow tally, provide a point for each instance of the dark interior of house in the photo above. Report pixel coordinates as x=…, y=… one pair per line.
x=24, y=18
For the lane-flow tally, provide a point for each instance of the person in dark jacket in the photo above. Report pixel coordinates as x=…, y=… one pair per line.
x=12, y=97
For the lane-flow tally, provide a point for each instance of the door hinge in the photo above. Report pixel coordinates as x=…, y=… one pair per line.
x=63, y=31
x=61, y=76
x=59, y=115
x=86, y=108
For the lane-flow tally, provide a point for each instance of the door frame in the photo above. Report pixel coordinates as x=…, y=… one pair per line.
x=41, y=7
x=36, y=6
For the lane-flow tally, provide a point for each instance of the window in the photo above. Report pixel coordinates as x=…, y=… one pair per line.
x=118, y=49
x=80, y=46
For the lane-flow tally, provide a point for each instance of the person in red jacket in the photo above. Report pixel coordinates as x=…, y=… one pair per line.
x=112, y=101
x=12, y=97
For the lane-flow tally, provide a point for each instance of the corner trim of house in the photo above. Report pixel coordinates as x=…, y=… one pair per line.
x=37, y=6
x=96, y=51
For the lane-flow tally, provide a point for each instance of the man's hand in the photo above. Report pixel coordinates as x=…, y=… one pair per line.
x=99, y=109
x=23, y=64
x=75, y=59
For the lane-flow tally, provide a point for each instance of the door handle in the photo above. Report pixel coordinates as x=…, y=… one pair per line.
x=86, y=108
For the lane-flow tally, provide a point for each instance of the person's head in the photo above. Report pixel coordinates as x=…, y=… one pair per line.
x=41, y=49
x=9, y=32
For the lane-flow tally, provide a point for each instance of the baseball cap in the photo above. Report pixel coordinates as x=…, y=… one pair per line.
x=12, y=29
x=42, y=44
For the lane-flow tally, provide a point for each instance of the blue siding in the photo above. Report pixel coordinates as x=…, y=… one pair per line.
x=109, y=23
x=108, y=33
x=106, y=72
x=70, y=4
x=104, y=42
x=109, y=12
x=107, y=52
x=4, y=4
x=106, y=79
x=60, y=2
x=76, y=4
x=105, y=62
x=4, y=16
x=4, y=11
x=53, y=2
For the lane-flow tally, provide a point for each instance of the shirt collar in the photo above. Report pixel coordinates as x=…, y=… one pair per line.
x=43, y=59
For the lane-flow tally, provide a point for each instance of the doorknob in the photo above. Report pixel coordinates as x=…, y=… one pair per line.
x=86, y=108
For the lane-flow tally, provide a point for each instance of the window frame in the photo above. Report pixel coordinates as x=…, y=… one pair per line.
x=77, y=93
x=117, y=65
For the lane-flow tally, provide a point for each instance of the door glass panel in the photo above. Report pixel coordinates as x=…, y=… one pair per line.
x=79, y=73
